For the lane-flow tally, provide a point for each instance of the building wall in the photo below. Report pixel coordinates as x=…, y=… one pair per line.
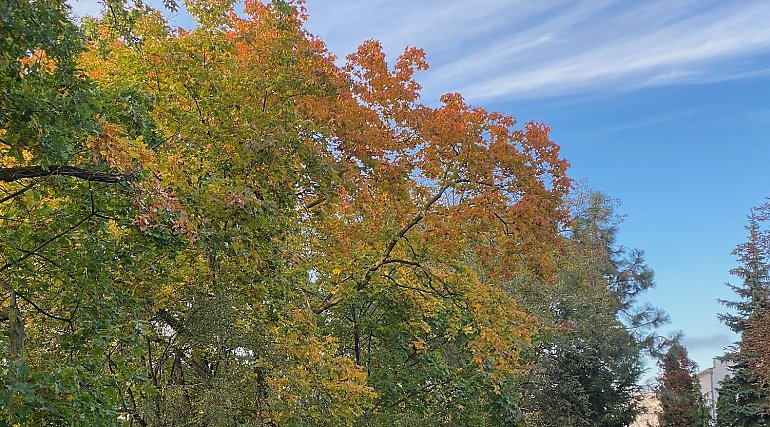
x=710, y=381
x=649, y=410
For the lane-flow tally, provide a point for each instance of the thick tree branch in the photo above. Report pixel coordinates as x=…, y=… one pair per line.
x=17, y=173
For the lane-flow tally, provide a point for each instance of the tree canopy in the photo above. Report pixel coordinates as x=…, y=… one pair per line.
x=224, y=226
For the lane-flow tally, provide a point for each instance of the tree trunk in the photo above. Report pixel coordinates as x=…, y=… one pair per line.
x=15, y=328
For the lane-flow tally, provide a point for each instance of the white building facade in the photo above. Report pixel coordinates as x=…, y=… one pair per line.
x=710, y=381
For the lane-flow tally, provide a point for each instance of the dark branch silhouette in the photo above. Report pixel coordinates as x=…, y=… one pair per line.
x=17, y=173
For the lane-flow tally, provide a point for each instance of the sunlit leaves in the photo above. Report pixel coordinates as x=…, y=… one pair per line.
x=300, y=242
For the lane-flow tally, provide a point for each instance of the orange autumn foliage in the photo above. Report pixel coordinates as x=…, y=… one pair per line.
x=386, y=206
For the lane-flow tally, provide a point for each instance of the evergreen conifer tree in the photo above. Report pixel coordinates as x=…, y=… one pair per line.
x=742, y=402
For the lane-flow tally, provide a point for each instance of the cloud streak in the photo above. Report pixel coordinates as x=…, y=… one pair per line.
x=717, y=341
x=520, y=49
x=497, y=49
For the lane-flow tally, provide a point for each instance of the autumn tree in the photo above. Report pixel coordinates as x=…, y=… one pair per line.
x=228, y=335
x=679, y=391
x=222, y=226
x=287, y=240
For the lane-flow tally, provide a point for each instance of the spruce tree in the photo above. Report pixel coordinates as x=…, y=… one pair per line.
x=742, y=402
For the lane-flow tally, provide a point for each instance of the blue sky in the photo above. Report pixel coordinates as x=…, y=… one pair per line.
x=663, y=105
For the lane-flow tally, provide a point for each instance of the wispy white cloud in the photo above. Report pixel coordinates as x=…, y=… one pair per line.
x=522, y=49
x=514, y=49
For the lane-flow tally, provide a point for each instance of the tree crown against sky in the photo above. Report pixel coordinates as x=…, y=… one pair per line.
x=272, y=238
x=744, y=399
